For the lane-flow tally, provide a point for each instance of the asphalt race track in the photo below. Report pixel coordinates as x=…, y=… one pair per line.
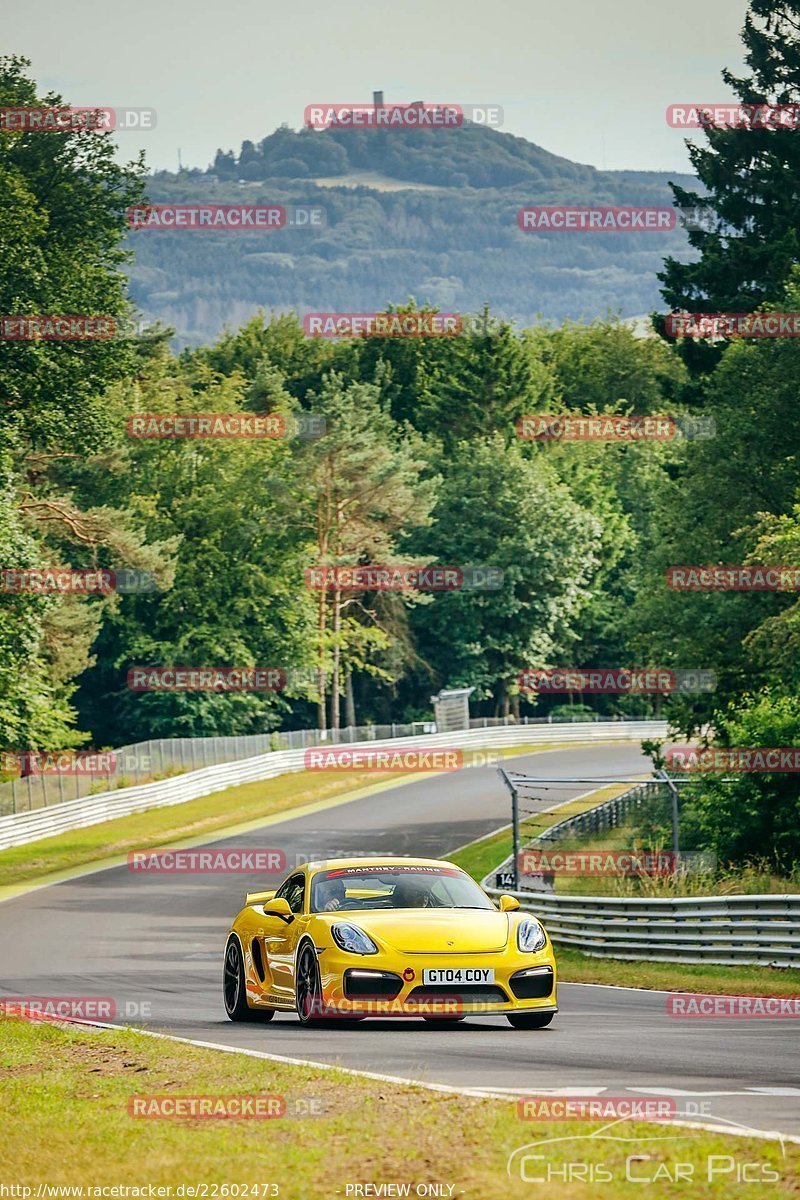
x=157, y=939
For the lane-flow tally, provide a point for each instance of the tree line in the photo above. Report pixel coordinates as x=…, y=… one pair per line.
x=415, y=459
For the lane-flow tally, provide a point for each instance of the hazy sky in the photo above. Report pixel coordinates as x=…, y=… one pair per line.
x=587, y=79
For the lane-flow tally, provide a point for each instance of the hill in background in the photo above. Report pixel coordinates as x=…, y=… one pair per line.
x=428, y=213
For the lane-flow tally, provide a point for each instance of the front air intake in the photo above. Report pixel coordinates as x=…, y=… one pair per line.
x=258, y=961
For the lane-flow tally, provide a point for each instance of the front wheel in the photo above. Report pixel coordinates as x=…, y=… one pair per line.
x=530, y=1020
x=308, y=988
x=234, y=992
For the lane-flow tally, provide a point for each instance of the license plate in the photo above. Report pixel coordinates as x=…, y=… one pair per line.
x=458, y=975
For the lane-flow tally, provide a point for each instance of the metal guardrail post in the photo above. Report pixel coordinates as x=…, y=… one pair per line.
x=514, y=823
x=675, y=814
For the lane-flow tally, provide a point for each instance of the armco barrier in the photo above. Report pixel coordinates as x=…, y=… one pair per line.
x=723, y=930
x=144, y=762
x=17, y=829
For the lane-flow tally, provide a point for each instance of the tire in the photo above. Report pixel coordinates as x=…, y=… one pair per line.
x=234, y=992
x=308, y=988
x=530, y=1020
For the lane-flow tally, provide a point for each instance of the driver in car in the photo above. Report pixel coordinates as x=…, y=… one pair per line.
x=330, y=895
x=411, y=893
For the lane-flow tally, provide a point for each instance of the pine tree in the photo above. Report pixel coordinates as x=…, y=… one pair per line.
x=752, y=179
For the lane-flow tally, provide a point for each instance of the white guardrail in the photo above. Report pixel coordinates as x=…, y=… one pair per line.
x=723, y=930
x=17, y=829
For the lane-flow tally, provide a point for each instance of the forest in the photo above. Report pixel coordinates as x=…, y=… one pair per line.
x=398, y=452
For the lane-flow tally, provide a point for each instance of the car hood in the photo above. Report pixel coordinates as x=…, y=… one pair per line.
x=425, y=931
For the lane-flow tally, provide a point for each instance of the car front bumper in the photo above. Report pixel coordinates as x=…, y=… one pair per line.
x=381, y=985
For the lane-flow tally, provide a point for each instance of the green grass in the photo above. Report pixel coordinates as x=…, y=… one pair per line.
x=161, y=826
x=753, y=879
x=481, y=857
x=65, y=1102
x=195, y=819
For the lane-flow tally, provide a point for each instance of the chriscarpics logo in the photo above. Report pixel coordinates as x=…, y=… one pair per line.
x=672, y=1159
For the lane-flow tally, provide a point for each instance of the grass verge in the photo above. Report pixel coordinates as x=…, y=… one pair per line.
x=67, y=1091
x=161, y=826
x=197, y=818
x=752, y=879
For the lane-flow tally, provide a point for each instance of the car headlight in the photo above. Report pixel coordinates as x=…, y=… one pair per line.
x=352, y=939
x=530, y=935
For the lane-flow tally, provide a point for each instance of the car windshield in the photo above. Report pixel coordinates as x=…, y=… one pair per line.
x=346, y=889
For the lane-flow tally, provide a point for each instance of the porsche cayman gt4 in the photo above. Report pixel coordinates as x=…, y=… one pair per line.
x=406, y=937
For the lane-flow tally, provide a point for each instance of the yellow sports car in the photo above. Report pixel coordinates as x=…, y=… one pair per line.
x=359, y=937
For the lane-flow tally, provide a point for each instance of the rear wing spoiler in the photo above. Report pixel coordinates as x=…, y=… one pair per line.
x=259, y=897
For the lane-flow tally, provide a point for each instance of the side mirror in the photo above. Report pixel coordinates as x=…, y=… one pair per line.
x=278, y=907
x=508, y=903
